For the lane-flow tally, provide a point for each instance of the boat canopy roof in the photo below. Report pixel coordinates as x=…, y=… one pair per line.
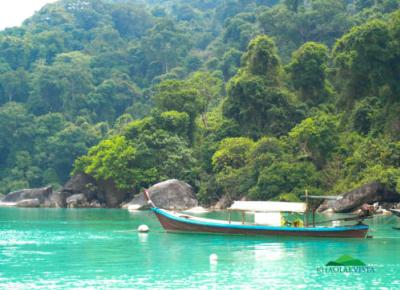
x=328, y=197
x=269, y=206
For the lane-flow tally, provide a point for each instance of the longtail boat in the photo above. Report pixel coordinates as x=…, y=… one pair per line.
x=267, y=221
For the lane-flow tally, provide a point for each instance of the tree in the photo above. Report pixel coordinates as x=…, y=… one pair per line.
x=15, y=127
x=151, y=80
x=131, y=21
x=316, y=137
x=67, y=145
x=230, y=63
x=209, y=88
x=14, y=86
x=63, y=86
x=394, y=32
x=293, y=24
x=260, y=109
x=261, y=59
x=47, y=44
x=165, y=44
x=229, y=164
x=134, y=163
x=268, y=150
x=308, y=72
x=112, y=159
x=172, y=95
x=168, y=155
x=362, y=4
x=239, y=30
x=175, y=122
x=362, y=60
x=110, y=99
x=366, y=116
x=15, y=51
x=285, y=178
x=293, y=5
x=255, y=98
x=366, y=159
x=16, y=135
x=232, y=153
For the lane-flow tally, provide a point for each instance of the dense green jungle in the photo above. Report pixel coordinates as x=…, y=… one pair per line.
x=255, y=98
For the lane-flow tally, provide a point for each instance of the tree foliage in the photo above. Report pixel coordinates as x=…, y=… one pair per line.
x=246, y=98
x=308, y=73
x=362, y=58
x=255, y=98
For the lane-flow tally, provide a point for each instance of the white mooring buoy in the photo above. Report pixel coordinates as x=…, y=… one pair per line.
x=143, y=229
x=213, y=259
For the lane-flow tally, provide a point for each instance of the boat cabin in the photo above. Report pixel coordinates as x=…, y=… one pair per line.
x=269, y=212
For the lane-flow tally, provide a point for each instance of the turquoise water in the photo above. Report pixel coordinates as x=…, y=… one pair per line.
x=99, y=248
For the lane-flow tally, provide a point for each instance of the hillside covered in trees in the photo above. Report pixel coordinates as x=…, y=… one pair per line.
x=256, y=98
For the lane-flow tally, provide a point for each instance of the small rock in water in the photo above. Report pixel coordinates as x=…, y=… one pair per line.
x=213, y=258
x=143, y=229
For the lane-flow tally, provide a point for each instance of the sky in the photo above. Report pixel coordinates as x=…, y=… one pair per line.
x=14, y=12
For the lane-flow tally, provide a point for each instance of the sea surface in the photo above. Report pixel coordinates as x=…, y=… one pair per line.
x=101, y=249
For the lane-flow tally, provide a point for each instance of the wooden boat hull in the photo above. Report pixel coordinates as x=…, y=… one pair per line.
x=175, y=223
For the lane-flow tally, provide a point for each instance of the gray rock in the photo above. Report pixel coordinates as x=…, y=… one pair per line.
x=110, y=195
x=224, y=202
x=34, y=202
x=77, y=201
x=79, y=183
x=40, y=194
x=55, y=199
x=137, y=203
x=170, y=194
x=103, y=193
x=96, y=204
x=367, y=194
x=387, y=205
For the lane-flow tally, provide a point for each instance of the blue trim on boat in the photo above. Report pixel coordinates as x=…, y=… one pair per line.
x=257, y=227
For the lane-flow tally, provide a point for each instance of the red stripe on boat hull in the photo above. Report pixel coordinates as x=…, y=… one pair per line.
x=178, y=226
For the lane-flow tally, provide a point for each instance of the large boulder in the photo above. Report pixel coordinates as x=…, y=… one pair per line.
x=79, y=183
x=110, y=195
x=224, y=202
x=34, y=202
x=366, y=194
x=103, y=193
x=170, y=194
x=39, y=197
x=77, y=200
x=81, y=190
x=41, y=194
x=55, y=199
x=96, y=204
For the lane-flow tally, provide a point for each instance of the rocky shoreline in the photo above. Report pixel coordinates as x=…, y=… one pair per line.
x=82, y=191
x=374, y=196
